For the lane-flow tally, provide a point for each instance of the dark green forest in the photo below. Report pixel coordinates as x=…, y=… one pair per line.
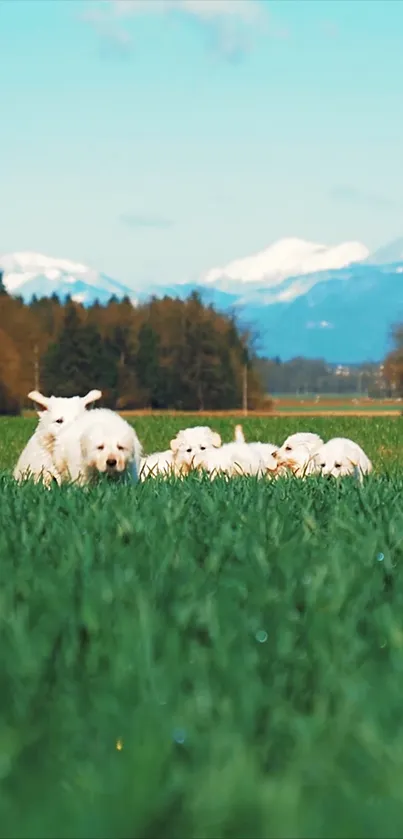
x=163, y=354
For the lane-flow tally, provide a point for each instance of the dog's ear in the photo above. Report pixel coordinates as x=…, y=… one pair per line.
x=39, y=398
x=91, y=397
x=216, y=440
x=174, y=444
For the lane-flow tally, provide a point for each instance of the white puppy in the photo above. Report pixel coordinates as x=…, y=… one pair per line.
x=192, y=441
x=340, y=456
x=158, y=463
x=266, y=451
x=101, y=442
x=178, y=459
x=297, y=454
x=230, y=459
x=36, y=460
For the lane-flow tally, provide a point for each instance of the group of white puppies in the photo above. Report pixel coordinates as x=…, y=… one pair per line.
x=73, y=444
x=301, y=454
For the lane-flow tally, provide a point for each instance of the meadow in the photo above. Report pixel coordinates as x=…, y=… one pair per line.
x=204, y=659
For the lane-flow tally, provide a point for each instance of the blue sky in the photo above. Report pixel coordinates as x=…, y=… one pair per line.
x=154, y=140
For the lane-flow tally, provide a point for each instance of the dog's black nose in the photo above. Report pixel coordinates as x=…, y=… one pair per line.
x=111, y=461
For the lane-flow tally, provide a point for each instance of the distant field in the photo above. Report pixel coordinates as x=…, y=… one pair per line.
x=196, y=659
x=328, y=405
x=306, y=405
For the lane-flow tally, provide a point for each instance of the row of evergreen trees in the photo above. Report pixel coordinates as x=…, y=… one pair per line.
x=165, y=354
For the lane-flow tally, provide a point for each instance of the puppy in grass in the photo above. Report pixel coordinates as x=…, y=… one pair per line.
x=36, y=461
x=267, y=452
x=297, y=454
x=178, y=459
x=341, y=456
x=230, y=459
x=100, y=443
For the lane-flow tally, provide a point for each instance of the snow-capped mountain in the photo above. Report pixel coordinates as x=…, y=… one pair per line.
x=338, y=303
x=388, y=254
x=286, y=258
x=304, y=299
x=28, y=274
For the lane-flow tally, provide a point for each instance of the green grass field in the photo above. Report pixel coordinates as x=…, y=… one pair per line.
x=201, y=659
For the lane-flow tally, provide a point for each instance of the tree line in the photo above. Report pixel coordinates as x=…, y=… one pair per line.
x=163, y=354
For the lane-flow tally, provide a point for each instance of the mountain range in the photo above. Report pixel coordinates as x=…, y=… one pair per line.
x=302, y=298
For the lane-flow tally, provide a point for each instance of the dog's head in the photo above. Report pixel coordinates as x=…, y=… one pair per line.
x=340, y=457
x=58, y=411
x=110, y=446
x=191, y=442
x=297, y=452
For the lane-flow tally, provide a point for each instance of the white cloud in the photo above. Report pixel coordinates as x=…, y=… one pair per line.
x=247, y=11
x=230, y=25
x=112, y=35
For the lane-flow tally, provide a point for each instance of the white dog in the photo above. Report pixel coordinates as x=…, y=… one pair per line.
x=230, y=459
x=158, y=463
x=178, y=459
x=36, y=460
x=265, y=451
x=297, y=454
x=191, y=442
x=340, y=456
x=101, y=442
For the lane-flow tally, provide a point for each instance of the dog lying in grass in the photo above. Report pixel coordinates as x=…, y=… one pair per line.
x=201, y=448
x=158, y=463
x=231, y=459
x=297, y=454
x=100, y=442
x=178, y=459
x=341, y=456
x=36, y=460
x=265, y=451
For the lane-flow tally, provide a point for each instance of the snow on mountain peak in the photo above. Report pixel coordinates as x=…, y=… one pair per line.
x=288, y=258
x=29, y=274
x=26, y=261
x=20, y=267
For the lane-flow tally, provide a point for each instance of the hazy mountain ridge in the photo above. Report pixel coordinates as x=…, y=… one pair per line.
x=341, y=314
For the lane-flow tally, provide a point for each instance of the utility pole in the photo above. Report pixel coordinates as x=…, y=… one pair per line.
x=36, y=367
x=245, y=390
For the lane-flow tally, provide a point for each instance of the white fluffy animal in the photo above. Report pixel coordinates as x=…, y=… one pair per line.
x=101, y=442
x=297, y=453
x=340, y=456
x=265, y=451
x=36, y=460
x=158, y=463
x=230, y=459
x=190, y=442
x=178, y=459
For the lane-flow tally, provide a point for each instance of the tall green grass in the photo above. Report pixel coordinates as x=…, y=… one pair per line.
x=241, y=642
